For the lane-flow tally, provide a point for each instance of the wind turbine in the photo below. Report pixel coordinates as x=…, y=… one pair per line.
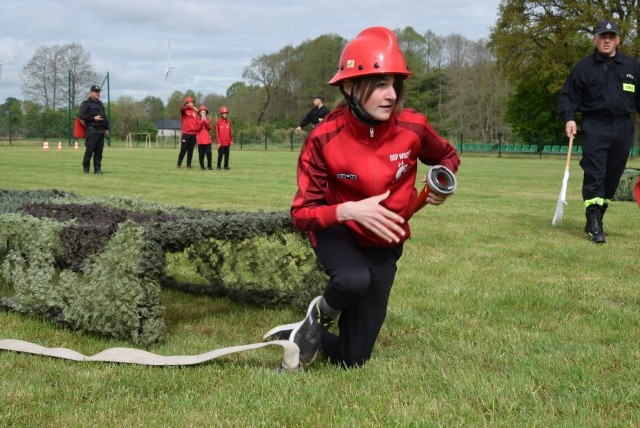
x=169, y=66
x=1, y=64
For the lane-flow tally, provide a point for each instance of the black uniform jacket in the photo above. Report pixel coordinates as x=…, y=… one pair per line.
x=314, y=116
x=88, y=110
x=607, y=87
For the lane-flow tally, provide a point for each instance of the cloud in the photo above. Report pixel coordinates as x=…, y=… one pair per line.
x=211, y=41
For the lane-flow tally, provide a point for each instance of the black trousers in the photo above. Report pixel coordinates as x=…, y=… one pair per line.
x=94, y=145
x=605, y=150
x=186, y=147
x=360, y=281
x=204, y=150
x=223, y=152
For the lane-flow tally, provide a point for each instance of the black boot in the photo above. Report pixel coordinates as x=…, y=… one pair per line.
x=594, y=224
x=603, y=209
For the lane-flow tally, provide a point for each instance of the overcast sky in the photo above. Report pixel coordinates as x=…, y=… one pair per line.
x=209, y=41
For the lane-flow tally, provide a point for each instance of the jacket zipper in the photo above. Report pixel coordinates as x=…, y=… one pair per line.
x=374, y=168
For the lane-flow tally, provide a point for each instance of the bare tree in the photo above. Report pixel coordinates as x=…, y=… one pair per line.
x=37, y=74
x=264, y=71
x=477, y=94
x=413, y=46
x=54, y=75
x=433, y=51
x=79, y=73
x=456, y=48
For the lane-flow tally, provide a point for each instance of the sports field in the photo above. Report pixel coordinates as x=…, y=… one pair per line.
x=496, y=317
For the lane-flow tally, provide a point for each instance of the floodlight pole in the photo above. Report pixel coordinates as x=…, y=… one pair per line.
x=106, y=79
x=69, y=106
x=9, y=113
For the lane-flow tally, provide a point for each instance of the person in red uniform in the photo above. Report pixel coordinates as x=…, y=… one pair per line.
x=224, y=136
x=189, y=115
x=203, y=138
x=356, y=187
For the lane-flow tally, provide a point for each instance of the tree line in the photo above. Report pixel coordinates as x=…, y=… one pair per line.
x=453, y=84
x=536, y=43
x=503, y=88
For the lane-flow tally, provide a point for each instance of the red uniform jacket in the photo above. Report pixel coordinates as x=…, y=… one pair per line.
x=189, y=120
x=345, y=160
x=224, y=136
x=203, y=137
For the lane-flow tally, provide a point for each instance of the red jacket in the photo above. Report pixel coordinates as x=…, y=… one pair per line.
x=345, y=160
x=224, y=136
x=189, y=120
x=203, y=137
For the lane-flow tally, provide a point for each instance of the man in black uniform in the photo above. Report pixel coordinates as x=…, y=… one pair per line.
x=604, y=86
x=97, y=127
x=315, y=115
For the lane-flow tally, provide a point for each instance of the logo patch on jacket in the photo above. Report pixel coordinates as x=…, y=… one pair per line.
x=346, y=176
x=402, y=168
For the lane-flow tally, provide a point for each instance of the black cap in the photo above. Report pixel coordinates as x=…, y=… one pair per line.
x=606, y=26
x=95, y=88
x=318, y=97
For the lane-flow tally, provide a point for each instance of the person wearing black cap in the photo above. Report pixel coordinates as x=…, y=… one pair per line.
x=315, y=115
x=604, y=88
x=96, y=124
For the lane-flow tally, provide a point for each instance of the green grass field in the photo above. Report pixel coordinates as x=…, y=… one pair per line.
x=496, y=317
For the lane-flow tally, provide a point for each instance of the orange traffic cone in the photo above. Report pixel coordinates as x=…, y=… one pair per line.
x=59, y=145
x=75, y=146
x=45, y=145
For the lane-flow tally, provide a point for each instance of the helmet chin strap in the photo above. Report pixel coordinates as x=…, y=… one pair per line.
x=356, y=108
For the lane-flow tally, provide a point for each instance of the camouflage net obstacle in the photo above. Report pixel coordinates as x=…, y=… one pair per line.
x=98, y=264
x=628, y=181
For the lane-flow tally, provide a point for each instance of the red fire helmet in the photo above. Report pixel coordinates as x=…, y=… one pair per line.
x=374, y=51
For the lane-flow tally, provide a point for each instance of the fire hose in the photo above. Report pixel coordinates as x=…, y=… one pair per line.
x=290, y=360
x=440, y=180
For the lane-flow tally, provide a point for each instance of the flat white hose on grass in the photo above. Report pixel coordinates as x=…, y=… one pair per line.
x=290, y=360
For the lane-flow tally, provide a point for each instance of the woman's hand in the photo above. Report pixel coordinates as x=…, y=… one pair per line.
x=373, y=216
x=434, y=199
